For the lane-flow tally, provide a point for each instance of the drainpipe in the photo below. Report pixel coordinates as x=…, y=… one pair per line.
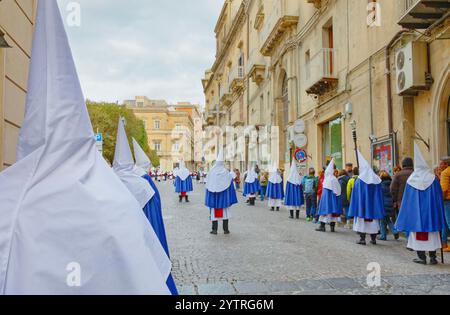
x=388, y=79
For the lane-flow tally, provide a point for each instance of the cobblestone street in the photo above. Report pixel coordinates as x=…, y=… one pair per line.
x=267, y=253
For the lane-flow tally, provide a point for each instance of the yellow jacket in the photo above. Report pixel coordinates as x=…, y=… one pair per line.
x=445, y=183
x=350, y=186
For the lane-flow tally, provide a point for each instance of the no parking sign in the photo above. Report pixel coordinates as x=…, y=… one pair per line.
x=301, y=156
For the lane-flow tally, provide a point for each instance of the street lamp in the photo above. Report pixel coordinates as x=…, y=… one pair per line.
x=355, y=140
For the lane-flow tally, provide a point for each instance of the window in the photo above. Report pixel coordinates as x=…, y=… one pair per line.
x=157, y=124
x=332, y=142
x=178, y=127
x=140, y=104
x=157, y=146
x=176, y=147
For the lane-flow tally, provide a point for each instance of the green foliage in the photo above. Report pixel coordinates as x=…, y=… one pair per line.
x=105, y=118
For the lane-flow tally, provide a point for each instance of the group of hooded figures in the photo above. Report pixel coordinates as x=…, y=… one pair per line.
x=421, y=216
x=70, y=224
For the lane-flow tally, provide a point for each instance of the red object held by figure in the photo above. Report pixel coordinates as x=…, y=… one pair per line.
x=422, y=237
x=183, y=194
x=218, y=213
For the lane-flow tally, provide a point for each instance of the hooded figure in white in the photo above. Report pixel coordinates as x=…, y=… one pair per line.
x=251, y=185
x=275, y=189
x=367, y=205
x=220, y=194
x=125, y=168
x=294, y=198
x=68, y=224
x=183, y=182
x=143, y=163
x=422, y=211
x=330, y=208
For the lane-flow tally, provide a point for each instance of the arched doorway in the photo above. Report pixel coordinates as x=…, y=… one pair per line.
x=440, y=142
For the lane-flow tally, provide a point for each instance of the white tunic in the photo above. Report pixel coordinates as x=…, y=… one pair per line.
x=361, y=226
x=434, y=243
x=275, y=203
x=226, y=215
x=327, y=219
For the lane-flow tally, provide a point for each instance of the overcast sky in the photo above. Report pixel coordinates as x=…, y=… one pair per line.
x=157, y=48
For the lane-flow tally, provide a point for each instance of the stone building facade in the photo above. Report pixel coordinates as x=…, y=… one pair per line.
x=16, y=32
x=337, y=65
x=172, y=130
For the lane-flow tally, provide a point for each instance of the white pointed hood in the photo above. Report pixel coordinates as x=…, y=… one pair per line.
x=124, y=167
x=423, y=176
x=61, y=206
x=182, y=172
x=366, y=173
x=251, y=175
x=275, y=177
x=294, y=176
x=219, y=178
x=143, y=163
x=331, y=182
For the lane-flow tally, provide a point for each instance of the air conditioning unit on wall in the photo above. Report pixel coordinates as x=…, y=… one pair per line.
x=412, y=67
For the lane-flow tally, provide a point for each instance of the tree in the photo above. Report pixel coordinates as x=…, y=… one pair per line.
x=105, y=118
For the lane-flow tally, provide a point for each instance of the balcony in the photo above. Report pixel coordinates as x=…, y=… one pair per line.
x=256, y=67
x=421, y=14
x=226, y=98
x=317, y=3
x=236, y=78
x=276, y=25
x=321, y=72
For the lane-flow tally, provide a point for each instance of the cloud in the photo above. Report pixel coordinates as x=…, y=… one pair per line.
x=158, y=48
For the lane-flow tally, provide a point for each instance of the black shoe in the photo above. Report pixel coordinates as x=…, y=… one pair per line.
x=397, y=236
x=187, y=199
x=181, y=199
x=297, y=215
x=433, y=262
x=214, y=232
x=272, y=209
x=361, y=242
x=333, y=229
x=420, y=261
x=292, y=214
x=227, y=232
x=322, y=228
x=278, y=209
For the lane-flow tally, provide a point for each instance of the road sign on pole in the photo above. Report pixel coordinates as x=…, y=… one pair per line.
x=99, y=142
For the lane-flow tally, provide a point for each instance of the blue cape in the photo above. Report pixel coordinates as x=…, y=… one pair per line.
x=275, y=191
x=422, y=211
x=330, y=203
x=367, y=202
x=252, y=188
x=183, y=185
x=153, y=212
x=221, y=200
x=294, y=195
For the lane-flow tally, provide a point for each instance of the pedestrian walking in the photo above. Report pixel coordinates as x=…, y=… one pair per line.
x=330, y=207
x=251, y=186
x=141, y=188
x=264, y=181
x=422, y=211
x=220, y=195
x=294, y=195
x=389, y=220
x=366, y=204
x=445, y=185
x=310, y=184
x=237, y=180
x=399, y=184
x=275, y=191
x=183, y=182
x=343, y=179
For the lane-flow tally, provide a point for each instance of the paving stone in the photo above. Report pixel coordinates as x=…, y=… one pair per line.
x=216, y=289
x=186, y=290
x=344, y=283
x=251, y=287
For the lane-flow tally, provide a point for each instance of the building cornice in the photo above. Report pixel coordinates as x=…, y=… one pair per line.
x=237, y=23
